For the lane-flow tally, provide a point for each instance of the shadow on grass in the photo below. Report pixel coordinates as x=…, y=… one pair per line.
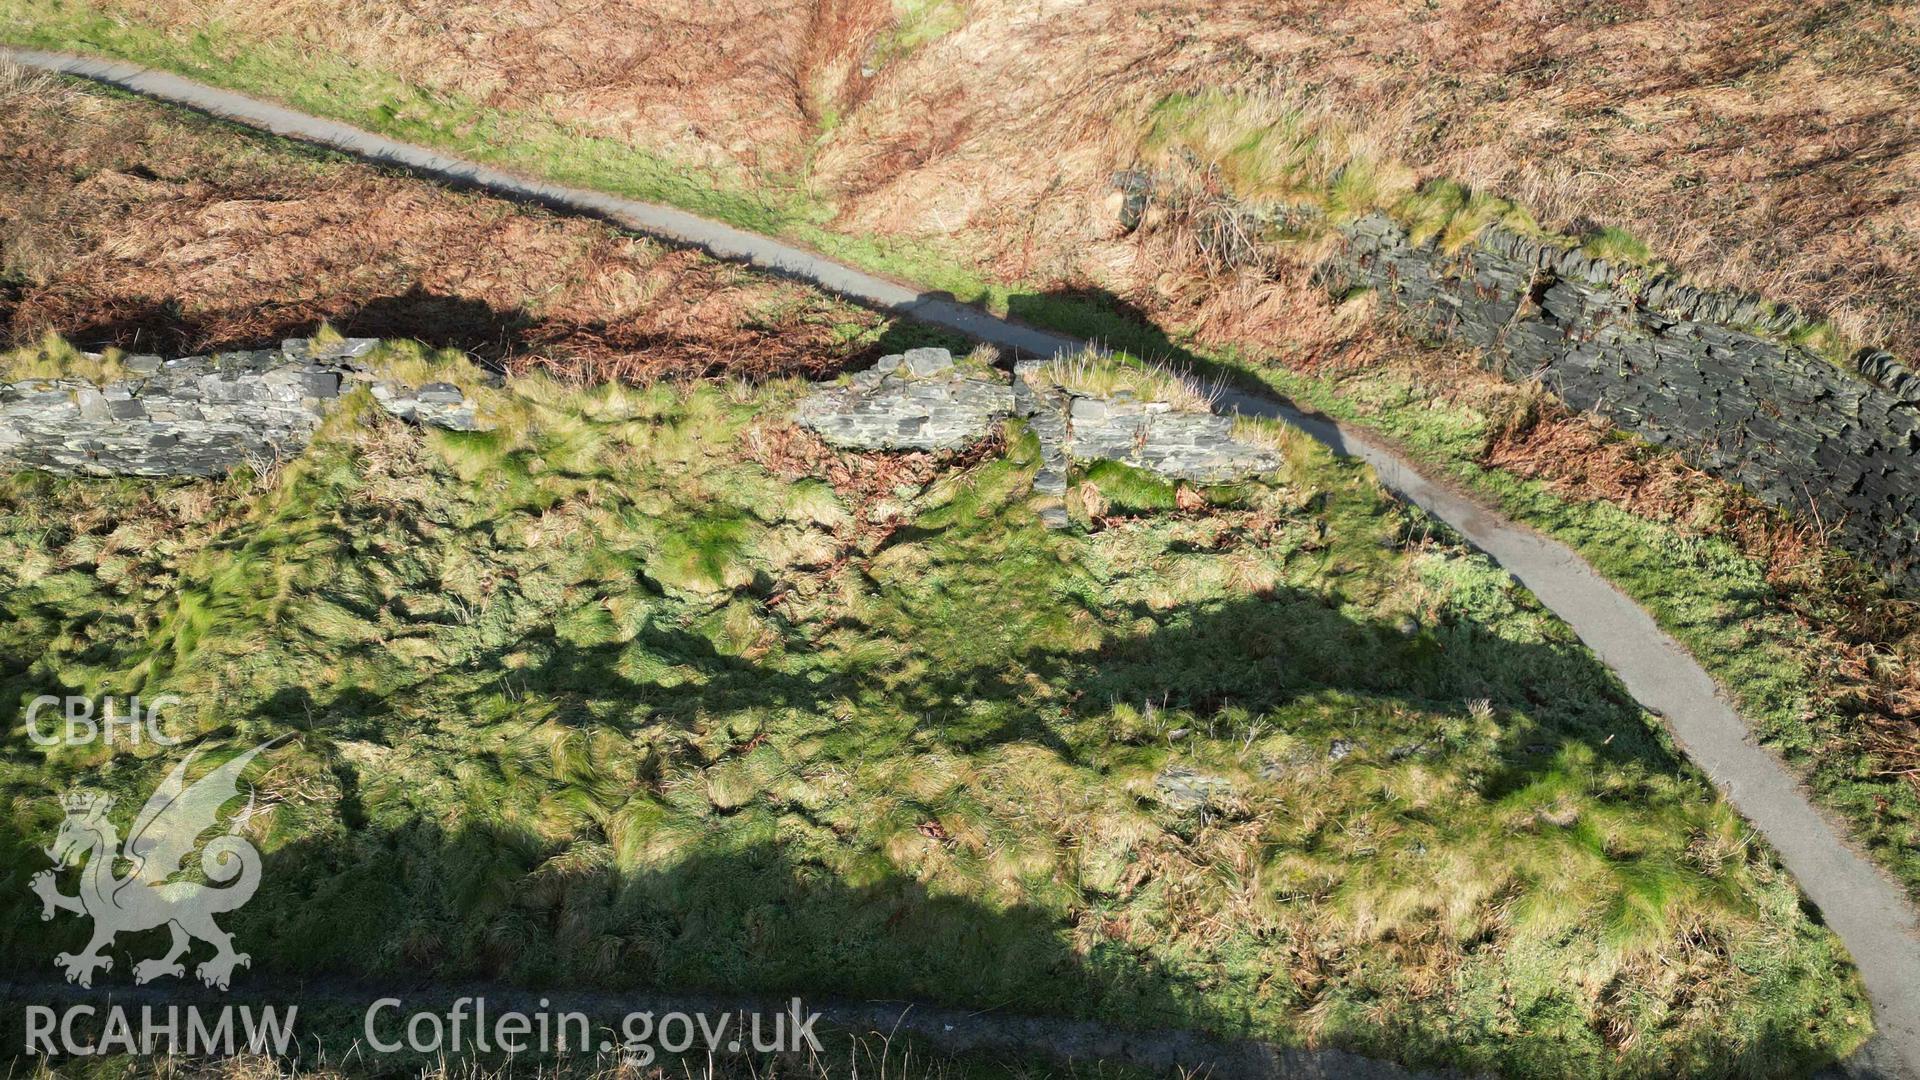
x=406, y=893
x=399, y=911
x=494, y=335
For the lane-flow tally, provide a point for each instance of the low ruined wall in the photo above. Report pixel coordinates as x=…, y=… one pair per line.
x=1708, y=374
x=201, y=415
x=923, y=400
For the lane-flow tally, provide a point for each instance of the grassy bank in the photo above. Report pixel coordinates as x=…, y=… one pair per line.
x=1709, y=595
x=1764, y=646
x=647, y=689
x=1771, y=647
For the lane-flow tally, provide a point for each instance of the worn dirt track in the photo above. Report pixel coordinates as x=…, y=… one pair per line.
x=1859, y=902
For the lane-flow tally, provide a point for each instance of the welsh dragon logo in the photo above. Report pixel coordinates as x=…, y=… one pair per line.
x=146, y=896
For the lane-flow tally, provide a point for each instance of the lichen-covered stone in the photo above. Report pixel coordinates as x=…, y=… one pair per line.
x=1184, y=789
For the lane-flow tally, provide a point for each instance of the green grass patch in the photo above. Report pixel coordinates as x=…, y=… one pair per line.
x=1128, y=489
x=1620, y=247
x=1710, y=597
x=54, y=358
x=916, y=24
x=602, y=701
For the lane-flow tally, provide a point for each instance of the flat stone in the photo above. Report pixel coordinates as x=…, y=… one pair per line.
x=92, y=404
x=320, y=384
x=921, y=414
x=1182, y=788
x=925, y=362
x=1086, y=408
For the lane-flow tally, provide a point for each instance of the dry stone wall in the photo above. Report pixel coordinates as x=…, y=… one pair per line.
x=1709, y=374
x=923, y=400
x=917, y=400
x=202, y=415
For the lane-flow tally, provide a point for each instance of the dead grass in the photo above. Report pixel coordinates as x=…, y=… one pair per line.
x=1870, y=644
x=1104, y=375
x=123, y=224
x=1765, y=146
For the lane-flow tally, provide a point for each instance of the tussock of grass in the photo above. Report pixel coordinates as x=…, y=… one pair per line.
x=414, y=364
x=1620, y=247
x=54, y=358
x=1113, y=485
x=1451, y=215
x=596, y=719
x=916, y=24
x=1264, y=147
x=1104, y=374
x=1825, y=340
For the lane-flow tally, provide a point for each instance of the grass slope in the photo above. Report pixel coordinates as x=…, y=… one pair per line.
x=647, y=689
x=1752, y=637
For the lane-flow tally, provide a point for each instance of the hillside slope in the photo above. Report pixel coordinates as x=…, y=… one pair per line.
x=1768, y=147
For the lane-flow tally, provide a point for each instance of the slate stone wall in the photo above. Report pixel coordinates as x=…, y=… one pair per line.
x=201, y=415
x=917, y=400
x=922, y=400
x=1708, y=374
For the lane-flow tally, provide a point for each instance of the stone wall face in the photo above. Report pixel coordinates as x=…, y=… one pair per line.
x=200, y=415
x=1705, y=373
x=922, y=400
x=918, y=400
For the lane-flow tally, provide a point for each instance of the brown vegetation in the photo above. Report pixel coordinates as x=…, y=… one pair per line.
x=1769, y=146
x=126, y=224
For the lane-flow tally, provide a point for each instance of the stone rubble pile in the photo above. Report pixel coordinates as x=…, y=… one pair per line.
x=203, y=415
x=923, y=400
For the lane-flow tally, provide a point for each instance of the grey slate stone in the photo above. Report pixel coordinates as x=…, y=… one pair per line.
x=320, y=384
x=197, y=416
x=928, y=361
x=955, y=407
x=1185, y=789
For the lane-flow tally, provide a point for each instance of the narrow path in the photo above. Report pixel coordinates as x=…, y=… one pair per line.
x=1864, y=907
